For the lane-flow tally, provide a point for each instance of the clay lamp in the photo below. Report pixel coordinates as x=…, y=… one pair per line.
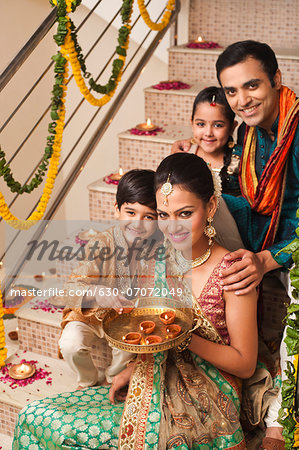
x=173, y=330
x=147, y=326
x=117, y=176
x=150, y=340
x=21, y=371
x=132, y=338
x=167, y=317
x=14, y=335
x=147, y=126
x=39, y=277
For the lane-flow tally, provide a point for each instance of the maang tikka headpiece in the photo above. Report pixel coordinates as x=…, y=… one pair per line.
x=213, y=102
x=166, y=189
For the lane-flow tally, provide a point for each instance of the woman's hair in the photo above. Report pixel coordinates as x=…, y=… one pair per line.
x=242, y=50
x=137, y=186
x=189, y=171
x=214, y=94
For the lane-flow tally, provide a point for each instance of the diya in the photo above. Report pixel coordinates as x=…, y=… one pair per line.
x=147, y=326
x=153, y=339
x=21, y=371
x=132, y=338
x=167, y=317
x=114, y=178
x=173, y=330
x=148, y=126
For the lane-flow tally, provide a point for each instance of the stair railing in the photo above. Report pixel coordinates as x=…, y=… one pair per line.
x=101, y=128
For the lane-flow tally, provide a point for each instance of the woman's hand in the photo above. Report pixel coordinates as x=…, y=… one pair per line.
x=181, y=146
x=119, y=382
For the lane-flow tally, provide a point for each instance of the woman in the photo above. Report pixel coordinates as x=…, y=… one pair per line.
x=186, y=398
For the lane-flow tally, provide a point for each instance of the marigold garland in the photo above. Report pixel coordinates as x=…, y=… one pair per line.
x=3, y=350
x=165, y=18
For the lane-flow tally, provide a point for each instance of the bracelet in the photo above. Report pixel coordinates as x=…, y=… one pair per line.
x=185, y=344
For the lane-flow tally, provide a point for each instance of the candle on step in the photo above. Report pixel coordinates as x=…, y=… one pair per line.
x=147, y=126
x=117, y=176
x=21, y=371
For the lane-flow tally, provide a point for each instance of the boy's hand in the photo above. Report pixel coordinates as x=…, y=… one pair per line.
x=118, y=302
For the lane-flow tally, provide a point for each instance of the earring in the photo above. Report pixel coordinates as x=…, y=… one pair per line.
x=231, y=143
x=210, y=231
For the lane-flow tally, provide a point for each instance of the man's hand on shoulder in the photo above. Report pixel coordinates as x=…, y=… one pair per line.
x=246, y=274
x=181, y=146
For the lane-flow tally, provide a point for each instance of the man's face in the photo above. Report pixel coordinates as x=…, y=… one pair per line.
x=249, y=92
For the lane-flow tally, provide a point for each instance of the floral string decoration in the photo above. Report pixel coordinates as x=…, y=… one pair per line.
x=165, y=18
x=287, y=413
x=3, y=349
x=171, y=85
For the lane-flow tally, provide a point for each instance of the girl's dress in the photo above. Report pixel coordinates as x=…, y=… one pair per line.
x=175, y=400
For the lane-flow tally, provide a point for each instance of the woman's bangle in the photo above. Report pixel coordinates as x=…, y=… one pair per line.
x=185, y=344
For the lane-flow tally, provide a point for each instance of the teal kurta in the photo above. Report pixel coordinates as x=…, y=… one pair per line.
x=252, y=225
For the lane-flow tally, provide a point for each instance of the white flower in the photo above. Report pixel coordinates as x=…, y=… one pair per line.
x=152, y=438
x=154, y=417
x=24, y=440
x=56, y=424
x=93, y=430
x=93, y=443
x=82, y=437
x=105, y=437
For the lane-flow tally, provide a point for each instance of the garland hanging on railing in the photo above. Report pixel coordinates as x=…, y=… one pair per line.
x=3, y=350
x=66, y=38
x=287, y=413
x=165, y=18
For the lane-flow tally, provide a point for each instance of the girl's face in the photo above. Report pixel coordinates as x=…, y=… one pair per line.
x=136, y=221
x=183, y=220
x=211, y=129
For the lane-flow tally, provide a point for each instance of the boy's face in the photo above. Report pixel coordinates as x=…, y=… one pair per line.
x=136, y=221
x=249, y=92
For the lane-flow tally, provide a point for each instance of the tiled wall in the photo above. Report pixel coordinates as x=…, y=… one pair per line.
x=168, y=108
x=141, y=154
x=225, y=21
x=193, y=68
x=101, y=205
x=8, y=417
x=43, y=339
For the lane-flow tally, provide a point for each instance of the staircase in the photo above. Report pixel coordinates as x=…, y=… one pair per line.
x=171, y=110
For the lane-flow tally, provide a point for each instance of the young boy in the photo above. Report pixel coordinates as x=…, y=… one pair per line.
x=111, y=271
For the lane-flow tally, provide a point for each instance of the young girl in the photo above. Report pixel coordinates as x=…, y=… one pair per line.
x=187, y=398
x=108, y=281
x=213, y=123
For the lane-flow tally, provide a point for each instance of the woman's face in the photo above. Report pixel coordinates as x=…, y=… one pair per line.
x=211, y=129
x=183, y=220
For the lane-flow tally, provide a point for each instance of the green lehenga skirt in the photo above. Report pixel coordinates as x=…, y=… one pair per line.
x=174, y=401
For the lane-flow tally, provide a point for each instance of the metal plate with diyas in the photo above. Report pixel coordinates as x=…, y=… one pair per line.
x=116, y=325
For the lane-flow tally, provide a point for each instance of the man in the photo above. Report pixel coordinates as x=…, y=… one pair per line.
x=269, y=173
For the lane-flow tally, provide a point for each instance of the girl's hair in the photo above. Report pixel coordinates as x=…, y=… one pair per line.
x=214, y=94
x=189, y=171
x=137, y=186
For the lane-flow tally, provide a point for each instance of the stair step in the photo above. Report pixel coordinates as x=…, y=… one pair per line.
x=39, y=332
x=191, y=65
x=146, y=152
x=101, y=200
x=13, y=400
x=171, y=106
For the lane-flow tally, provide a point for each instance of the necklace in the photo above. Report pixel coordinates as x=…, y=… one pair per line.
x=201, y=259
x=186, y=264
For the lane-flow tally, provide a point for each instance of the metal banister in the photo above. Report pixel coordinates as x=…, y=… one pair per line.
x=86, y=153
x=28, y=48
